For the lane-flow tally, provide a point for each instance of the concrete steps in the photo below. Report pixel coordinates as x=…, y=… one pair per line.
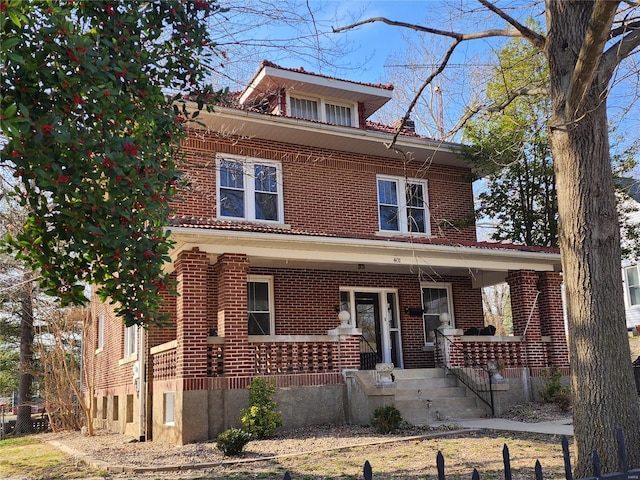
x=424, y=396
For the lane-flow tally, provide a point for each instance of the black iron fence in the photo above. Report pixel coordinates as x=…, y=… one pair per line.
x=369, y=356
x=38, y=425
x=623, y=474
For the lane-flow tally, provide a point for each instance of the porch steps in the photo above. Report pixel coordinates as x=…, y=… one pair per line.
x=428, y=395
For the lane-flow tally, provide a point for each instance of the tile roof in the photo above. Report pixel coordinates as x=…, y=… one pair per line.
x=216, y=224
x=267, y=63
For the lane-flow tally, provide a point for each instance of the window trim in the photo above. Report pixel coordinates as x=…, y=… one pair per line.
x=322, y=103
x=440, y=285
x=627, y=285
x=268, y=279
x=248, y=164
x=401, y=189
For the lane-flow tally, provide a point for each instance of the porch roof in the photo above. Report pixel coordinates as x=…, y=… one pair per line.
x=487, y=263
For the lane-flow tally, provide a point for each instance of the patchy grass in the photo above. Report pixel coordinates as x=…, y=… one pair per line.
x=31, y=458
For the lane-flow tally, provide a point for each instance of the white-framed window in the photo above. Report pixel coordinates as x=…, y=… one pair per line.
x=436, y=300
x=169, y=401
x=249, y=189
x=260, y=304
x=130, y=340
x=632, y=285
x=100, y=332
x=322, y=110
x=403, y=205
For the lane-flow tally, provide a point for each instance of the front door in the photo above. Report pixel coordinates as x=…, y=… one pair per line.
x=376, y=315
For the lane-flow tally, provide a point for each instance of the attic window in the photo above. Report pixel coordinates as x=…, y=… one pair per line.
x=322, y=110
x=303, y=108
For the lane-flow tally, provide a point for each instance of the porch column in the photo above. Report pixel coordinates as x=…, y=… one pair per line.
x=231, y=273
x=191, y=313
x=523, y=289
x=552, y=317
x=191, y=339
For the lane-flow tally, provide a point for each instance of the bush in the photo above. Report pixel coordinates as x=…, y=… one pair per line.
x=261, y=418
x=386, y=419
x=232, y=441
x=553, y=391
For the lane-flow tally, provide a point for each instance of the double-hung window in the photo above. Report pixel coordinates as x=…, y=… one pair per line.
x=436, y=300
x=130, y=340
x=249, y=189
x=632, y=284
x=321, y=110
x=403, y=205
x=260, y=305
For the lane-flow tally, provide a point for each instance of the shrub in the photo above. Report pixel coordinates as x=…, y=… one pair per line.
x=553, y=391
x=261, y=418
x=232, y=441
x=386, y=419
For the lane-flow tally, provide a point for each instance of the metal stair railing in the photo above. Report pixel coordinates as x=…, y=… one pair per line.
x=368, y=355
x=476, y=376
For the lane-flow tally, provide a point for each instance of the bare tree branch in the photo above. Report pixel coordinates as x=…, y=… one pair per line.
x=602, y=17
x=620, y=50
x=624, y=29
x=495, y=107
x=460, y=37
x=534, y=37
x=424, y=85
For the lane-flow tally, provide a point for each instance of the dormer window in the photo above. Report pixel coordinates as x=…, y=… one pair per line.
x=322, y=110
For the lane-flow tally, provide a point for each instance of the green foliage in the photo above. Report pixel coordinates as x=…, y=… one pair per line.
x=511, y=148
x=386, y=419
x=553, y=391
x=261, y=418
x=232, y=441
x=94, y=139
x=9, y=363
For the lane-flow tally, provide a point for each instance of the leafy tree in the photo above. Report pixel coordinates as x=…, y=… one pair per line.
x=512, y=146
x=88, y=99
x=583, y=46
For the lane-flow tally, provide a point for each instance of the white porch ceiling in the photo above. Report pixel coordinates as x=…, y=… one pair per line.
x=487, y=266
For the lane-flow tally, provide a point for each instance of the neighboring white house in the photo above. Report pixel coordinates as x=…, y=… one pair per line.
x=631, y=266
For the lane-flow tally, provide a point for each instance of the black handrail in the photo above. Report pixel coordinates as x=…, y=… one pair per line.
x=368, y=355
x=475, y=383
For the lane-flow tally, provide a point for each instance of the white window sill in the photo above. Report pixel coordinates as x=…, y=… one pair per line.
x=390, y=233
x=129, y=359
x=99, y=350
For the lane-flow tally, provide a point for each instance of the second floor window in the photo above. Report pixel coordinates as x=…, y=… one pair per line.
x=403, y=205
x=304, y=108
x=250, y=189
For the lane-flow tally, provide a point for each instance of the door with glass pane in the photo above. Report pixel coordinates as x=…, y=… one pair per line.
x=367, y=306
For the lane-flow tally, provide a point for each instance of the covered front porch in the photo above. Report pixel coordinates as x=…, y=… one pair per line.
x=304, y=310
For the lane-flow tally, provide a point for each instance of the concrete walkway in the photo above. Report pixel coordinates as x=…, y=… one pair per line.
x=553, y=427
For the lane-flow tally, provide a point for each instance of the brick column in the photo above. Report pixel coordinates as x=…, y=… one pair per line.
x=552, y=316
x=231, y=273
x=191, y=313
x=523, y=290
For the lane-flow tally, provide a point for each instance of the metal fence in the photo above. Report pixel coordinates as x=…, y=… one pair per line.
x=623, y=474
x=38, y=425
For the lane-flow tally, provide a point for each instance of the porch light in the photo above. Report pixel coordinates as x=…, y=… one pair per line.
x=344, y=317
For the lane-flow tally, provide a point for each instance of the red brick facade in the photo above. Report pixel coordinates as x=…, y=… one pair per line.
x=330, y=201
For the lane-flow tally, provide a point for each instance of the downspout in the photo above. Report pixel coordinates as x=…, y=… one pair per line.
x=142, y=390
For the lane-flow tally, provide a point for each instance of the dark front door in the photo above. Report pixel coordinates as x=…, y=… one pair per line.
x=368, y=320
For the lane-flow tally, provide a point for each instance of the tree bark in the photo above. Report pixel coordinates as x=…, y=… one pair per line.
x=602, y=378
x=23, y=420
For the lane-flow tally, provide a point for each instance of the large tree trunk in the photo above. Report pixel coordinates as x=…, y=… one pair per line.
x=23, y=420
x=602, y=381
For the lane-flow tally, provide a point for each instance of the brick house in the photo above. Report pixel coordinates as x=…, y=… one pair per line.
x=297, y=210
